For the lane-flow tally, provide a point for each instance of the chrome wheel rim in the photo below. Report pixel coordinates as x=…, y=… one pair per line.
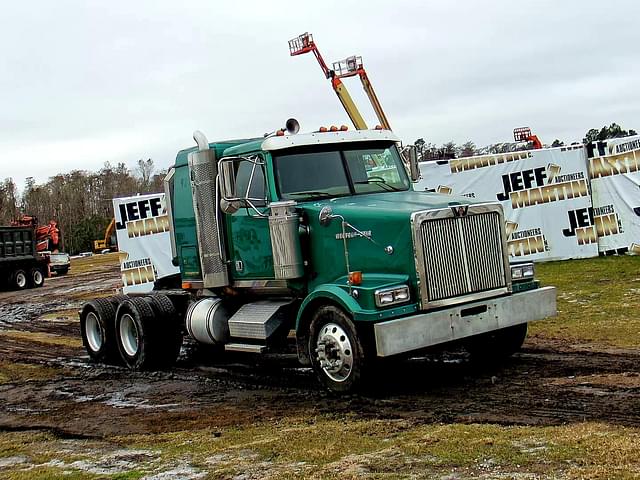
x=37, y=277
x=129, y=335
x=335, y=354
x=21, y=279
x=93, y=332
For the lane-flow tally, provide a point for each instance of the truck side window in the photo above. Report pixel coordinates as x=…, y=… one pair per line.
x=257, y=189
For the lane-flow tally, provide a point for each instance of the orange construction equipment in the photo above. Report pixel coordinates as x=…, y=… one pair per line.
x=304, y=44
x=523, y=134
x=352, y=66
x=47, y=236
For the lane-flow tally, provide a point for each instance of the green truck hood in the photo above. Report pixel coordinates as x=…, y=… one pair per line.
x=387, y=205
x=384, y=217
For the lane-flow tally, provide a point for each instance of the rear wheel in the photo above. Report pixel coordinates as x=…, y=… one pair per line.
x=97, y=326
x=336, y=352
x=497, y=345
x=142, y=335
x=19, y=279
x=166, y=315
x=117, y=300
x=36, y=277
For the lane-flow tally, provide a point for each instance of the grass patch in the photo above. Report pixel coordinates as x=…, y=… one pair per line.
x=60, y=315
x=42, y=455
x=40, y=337
x=90, y=264
x=597, y=300
x=11, y=372
x=330, y=448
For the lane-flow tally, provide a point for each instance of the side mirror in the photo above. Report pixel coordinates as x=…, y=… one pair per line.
x=325, y=216
x=238, y=179
x=414, y=169
x=227, y=184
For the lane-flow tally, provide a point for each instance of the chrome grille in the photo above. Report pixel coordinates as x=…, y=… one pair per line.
x=462, y=256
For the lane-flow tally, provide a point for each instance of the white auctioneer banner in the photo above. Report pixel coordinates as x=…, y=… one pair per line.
x=614, y=170
x=544, y=194
x=142, y=228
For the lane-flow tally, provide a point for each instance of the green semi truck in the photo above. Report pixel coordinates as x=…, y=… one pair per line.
x=316, y=243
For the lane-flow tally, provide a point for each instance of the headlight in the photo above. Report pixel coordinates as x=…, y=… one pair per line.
x=392, y=296
x=522, y=271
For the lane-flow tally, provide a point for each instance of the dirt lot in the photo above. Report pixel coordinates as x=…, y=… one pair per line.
x=567, y=406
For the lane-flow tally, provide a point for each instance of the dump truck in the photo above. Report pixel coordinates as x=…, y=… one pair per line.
x=21, y=266
x=316, y=244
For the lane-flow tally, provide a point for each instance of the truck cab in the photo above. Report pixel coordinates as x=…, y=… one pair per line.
x=321, y=236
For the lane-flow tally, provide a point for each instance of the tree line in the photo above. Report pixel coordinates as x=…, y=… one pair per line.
x=80, y=201
x=430, y=151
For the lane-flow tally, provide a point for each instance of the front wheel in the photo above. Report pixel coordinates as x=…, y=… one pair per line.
x=336, y=352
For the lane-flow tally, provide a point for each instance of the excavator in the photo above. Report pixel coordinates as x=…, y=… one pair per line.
x=47, y=236
x=109, y=241
x=349, y=67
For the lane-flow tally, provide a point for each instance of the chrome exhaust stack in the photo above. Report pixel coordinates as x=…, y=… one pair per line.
x=203, y=169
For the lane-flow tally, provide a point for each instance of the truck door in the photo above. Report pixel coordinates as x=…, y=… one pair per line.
x=249, y=239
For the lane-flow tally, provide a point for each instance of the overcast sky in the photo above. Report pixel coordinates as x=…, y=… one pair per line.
x=84, y=82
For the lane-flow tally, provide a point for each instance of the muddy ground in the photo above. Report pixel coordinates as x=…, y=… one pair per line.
x=550, y=382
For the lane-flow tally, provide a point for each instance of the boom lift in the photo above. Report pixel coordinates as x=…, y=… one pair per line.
x=523, y=134
x=352, y=66
x=304, y=44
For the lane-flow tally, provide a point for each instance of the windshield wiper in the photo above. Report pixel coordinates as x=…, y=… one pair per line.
x=312, y=194
x=381, y=182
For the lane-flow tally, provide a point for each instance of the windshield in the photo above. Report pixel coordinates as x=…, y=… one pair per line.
x=335, y=172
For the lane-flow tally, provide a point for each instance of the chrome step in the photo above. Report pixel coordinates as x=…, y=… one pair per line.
x=257, y=320
x=244, y=347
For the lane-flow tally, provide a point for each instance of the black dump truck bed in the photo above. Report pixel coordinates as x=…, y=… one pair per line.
x=20, y=264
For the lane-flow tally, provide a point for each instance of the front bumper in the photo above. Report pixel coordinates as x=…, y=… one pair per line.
x=442, y=326
x=58, y=268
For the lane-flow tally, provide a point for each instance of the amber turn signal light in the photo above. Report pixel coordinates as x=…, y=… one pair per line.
x=355, y=278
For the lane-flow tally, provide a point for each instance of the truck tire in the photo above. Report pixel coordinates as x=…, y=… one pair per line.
x=116, y=300
x=36, y=277
x=63, y=271
x=497, y=345
x=139, y=334
x=97, y=327
x=336, y=352
x=167, y=318
x=19, y=279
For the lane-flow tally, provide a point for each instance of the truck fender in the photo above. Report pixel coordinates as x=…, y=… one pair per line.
x=326, y=294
